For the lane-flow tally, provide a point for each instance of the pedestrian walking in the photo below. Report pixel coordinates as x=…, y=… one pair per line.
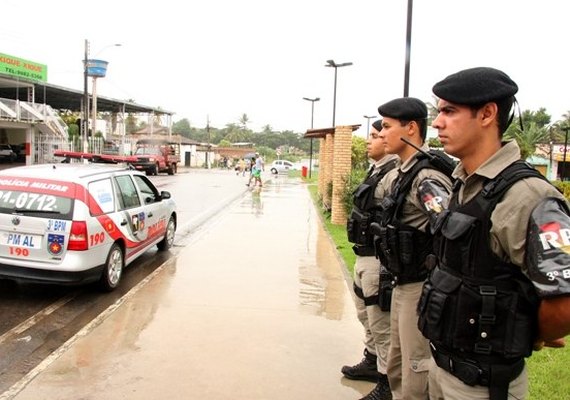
x=372, y=284
x=502, y=283
x=411, y=198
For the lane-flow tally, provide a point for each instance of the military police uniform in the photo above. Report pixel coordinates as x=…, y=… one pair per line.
x=500, y=250
x=367, y=274
x=405, y=242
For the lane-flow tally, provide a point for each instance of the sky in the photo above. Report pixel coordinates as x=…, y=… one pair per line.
x=220, y=59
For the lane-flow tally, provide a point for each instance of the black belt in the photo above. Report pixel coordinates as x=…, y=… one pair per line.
x=496, y=377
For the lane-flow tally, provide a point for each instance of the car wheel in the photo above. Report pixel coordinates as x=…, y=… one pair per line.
x=172, y=169
x=168, y=239
x=113, y=269
x=274, y=171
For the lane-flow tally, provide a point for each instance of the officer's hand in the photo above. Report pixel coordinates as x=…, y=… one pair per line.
x=556, y=343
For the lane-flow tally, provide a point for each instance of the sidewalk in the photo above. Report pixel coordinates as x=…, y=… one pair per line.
x=255, y=307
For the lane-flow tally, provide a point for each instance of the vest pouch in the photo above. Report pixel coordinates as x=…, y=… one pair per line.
x=456, y=226
x=390, y=248
x=490, y=323
x=436, y=307
x=361, y=195
x=406, y=248
x=357, y=228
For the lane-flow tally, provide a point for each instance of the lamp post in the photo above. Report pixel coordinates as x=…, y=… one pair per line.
x=96, y=69
x=368, y=118
x=408, y=48
x=565, y=129
x=332, y=64
x=311, y=145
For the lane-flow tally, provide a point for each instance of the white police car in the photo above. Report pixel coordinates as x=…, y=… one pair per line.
x=79, y=223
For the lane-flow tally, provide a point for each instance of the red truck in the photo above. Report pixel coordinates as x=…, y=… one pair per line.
x=151, y=155
x=156, y=155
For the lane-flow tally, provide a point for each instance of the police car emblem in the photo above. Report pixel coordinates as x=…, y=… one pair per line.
x=16, y=220
x=55, y=244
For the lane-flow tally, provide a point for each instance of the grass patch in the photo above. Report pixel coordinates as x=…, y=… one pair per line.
x=549, y=377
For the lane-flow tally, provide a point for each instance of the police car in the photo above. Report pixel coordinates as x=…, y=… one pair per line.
x=79, y=223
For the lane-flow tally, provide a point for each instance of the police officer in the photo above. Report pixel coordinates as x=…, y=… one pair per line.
x=503, y=279
x=374, y=318
x=411, y=197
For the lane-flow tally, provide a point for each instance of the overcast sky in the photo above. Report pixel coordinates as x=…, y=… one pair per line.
x=224, y=58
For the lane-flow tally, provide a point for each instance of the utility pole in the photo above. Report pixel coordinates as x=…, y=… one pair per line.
x=209, y=139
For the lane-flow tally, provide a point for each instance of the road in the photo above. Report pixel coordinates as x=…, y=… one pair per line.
x=37, y=319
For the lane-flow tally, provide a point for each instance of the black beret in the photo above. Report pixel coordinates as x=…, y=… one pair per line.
x=377, y=125
x=405, y=109
x=475, y=86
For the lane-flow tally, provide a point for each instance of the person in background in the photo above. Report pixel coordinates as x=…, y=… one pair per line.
x=502, y=283
x=372, y=303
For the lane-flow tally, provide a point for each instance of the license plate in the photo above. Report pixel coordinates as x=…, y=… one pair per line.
x=21, y=240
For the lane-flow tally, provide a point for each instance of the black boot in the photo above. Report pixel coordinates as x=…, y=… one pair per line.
x=381, y=391
x=365, y=370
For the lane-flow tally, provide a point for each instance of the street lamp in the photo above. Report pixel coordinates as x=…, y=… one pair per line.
x=96, y=69
x=332, y=64
x=311, y=145
x=408, y=48
x=368, y=118
x=565, y=129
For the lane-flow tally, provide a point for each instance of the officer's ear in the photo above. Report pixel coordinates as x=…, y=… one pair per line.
x=488, y=114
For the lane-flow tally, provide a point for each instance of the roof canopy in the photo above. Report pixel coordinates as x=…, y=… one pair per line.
x=62, y=98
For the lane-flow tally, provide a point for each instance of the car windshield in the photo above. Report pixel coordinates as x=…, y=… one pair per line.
x=147, y=151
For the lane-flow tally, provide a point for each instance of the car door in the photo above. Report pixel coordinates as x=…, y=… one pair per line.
x=156, y=211
x=131, y=218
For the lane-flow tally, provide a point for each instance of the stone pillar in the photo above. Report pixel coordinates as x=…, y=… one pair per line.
x=327, y=170
x=322, y=167
x=340, y=171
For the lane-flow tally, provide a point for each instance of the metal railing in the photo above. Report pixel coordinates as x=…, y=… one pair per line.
x=21, y=111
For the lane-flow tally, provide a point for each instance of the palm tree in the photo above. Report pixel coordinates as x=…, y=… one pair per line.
x=243, y=120
x=528, y=139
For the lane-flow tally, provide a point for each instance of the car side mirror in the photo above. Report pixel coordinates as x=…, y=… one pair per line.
x=165, y=195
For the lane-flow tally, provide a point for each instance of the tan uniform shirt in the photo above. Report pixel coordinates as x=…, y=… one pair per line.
x=383, y=161
x=414, y=213
x=511, y=215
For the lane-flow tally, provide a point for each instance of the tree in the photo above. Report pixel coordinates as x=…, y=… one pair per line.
x=528, y=138
x=243, y=121
x=182, y=127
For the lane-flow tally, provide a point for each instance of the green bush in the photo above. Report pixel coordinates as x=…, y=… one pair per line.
x=564, y=188
x=350, y=183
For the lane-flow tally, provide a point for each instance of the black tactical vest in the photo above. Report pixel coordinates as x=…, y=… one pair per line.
x=401, y=248
x=474, y=304
x=358, y=223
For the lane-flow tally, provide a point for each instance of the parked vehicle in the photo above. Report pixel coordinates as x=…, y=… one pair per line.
x=7, y=154
x=281, y=166
x=78, y=223
x=154, y=156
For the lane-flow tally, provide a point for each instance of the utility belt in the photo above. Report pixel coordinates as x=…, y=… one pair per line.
x=495, y=376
